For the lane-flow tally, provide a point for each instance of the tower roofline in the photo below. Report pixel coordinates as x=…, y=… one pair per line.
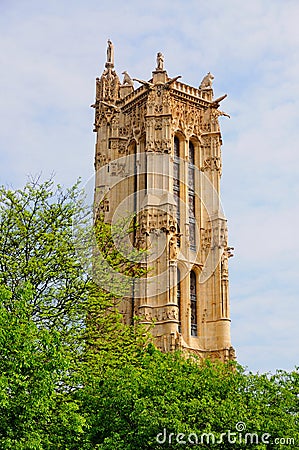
x=183, y=91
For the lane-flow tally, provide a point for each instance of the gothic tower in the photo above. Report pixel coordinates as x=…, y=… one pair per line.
x=158, y=162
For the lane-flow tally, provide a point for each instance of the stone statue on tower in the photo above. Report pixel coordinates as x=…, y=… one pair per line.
x=110, y=53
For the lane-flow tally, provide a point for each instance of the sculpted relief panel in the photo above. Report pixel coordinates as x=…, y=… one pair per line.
x=187, y=117
x=160, y=314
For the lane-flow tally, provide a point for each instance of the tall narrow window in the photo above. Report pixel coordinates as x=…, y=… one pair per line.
x=176, y=182
x=178, y=296
x=193, y=301
x=191, y=194
x=135, y=187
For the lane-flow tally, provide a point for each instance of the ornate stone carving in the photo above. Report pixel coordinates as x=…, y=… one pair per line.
x=224, y=266
x=160, y=62
x=219, y=233
x=207, y=81
x=101, y=160
x=227, y=253
x=186, y=117
x=173, y=249
x=108, y=86
x=107, y=93
x=122, y=131
x=158, y=124
x=158, y=134
x=232, y=354
x=159, y=314
x=158, y=100
x=113, y=144
x=215, y=235
x=110, y=53
x=122, y=149
x=152, y=219
x=135, y=121
x=206, y=144
x=127, y=79
x=212, y=163
x=118, y=169
x=223, y=234
x=206, y=238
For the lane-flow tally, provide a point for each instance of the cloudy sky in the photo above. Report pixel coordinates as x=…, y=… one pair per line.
x=51, y=53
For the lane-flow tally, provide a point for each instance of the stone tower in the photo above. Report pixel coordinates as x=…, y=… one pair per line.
x=158, y=161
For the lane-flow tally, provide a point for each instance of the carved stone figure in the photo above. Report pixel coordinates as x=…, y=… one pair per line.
x=107, y=87
x=212, y=163
x=145, y=83
x=160, y=61
x=127, y=79
x=224, y=265
x=232, y=354
x=207, y=81
x=110, y=53
x=173, y=251
x=141, y=243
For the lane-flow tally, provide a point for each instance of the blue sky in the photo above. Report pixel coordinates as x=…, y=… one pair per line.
x=51, y=53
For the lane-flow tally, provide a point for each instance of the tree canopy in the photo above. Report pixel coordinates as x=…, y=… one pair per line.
x=37, y=246
x=73, y=376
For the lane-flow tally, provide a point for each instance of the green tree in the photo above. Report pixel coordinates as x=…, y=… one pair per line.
x=36, y=409
x=155, y=397
x=37, y=245
x=73, y=376
x=57, y=323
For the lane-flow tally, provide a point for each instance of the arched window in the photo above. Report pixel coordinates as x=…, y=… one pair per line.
x=178, y=296
x=191, y=153
x=176, y=182
x=176, y=147
x=193, y=301
x=191, y=195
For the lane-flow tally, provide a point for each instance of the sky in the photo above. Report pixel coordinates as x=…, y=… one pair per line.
x=51, y=52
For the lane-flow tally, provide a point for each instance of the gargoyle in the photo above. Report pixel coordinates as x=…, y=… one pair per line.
x=145, y=83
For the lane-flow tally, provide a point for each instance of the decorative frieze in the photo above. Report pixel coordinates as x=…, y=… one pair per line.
x=215, y=235
x=212, y=163
x=152, y=219
x=164, y=313
x=187, y=117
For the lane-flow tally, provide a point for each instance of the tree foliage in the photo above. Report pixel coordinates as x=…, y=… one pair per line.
x=166, y=399
x=73, y=376
x=36, y=409
x=117, y=264
x=37, y=246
